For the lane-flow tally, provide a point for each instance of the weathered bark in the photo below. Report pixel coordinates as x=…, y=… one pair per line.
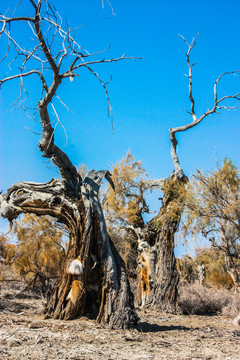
x=232, y=268
x=233, y=271
x=93, y=281
x=157, y=274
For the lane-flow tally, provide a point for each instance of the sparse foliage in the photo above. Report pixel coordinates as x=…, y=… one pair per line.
x=125, y=207
x=216, y=272
x=213, y=210
x=40, y=251
x=7, y=250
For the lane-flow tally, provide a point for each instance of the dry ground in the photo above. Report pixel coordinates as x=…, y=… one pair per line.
x=25, y=335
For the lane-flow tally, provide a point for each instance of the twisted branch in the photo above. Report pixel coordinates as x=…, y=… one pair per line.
x=65, y=61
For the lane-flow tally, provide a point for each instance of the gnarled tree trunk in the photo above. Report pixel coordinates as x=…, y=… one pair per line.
x=157, y=274
x=93, y=281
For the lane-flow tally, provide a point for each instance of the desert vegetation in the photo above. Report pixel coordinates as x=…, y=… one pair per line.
x=95, y=253
x=206, y=283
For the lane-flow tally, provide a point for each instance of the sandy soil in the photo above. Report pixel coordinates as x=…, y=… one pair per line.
x=25, y=335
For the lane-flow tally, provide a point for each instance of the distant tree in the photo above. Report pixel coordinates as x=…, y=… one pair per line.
x=213, y=210
x=40, y=251
x=93, y=277
x=207, y=267
x=187, y=269
x=125, y=206
x=215, y=267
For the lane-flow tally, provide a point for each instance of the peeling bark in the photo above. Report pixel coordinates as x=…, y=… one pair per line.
x=157, y=274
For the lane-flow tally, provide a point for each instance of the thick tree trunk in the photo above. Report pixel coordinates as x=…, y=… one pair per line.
x=157, y=274
x=93, y=281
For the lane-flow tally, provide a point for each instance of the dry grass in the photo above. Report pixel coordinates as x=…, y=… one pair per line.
x=232, y=309
x=201, y=300
x=26, y=336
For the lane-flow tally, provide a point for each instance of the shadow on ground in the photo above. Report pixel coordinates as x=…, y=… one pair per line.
x=147, y=327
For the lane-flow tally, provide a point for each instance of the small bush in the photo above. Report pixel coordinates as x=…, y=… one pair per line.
x=200, y=300
x=216, y=273
x=39, y=252
x=232, y=309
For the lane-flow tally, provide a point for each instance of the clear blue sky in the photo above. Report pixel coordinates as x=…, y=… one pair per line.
x=148, y=97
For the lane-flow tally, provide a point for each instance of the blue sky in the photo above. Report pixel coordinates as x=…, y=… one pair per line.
x=147, y=96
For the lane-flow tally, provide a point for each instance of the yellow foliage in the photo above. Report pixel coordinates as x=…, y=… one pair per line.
x=7, y=254
x=213, y=210
x=125, y=206
x=7, y=250
x=216, y=273
x=173, y=202
x=127, y=203
x=10, y=253
x=213, y=202
x=39, y=250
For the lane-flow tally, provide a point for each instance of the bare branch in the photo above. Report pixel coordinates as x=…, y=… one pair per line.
x=4, y=20
x=101, y=61
x=197, y=120
x=41, y=39
x=26, y=74
x=54, y=48
x=113, y=13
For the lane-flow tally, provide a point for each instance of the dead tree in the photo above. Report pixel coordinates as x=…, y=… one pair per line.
x=93, y=280
x=157, y=274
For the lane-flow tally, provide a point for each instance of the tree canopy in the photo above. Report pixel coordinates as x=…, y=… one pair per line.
x=213, y=210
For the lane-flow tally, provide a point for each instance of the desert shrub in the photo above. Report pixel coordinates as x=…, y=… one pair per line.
x=216, y=272
x=39, y=252
x=201, y=300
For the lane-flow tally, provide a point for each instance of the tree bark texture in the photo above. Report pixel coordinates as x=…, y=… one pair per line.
x=157, y=274
x=93, y=281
